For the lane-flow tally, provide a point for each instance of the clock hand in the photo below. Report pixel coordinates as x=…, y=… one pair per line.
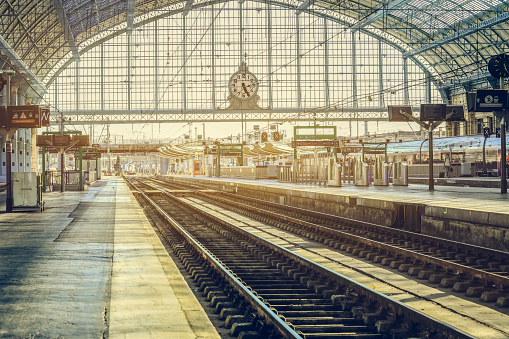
x=245, y=89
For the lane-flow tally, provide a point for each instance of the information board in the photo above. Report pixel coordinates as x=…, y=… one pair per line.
x=454, y=113
x=44, y=140
x=396, y=113
x=490, y=100
x=80, y=140
x=26, y=116
x=318, y=143
x=45, y=113
x=61, y=140
x=432, y=112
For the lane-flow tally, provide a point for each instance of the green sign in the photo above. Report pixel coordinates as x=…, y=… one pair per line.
x=314, y=132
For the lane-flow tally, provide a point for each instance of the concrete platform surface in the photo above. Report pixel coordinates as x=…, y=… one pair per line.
x=91, y=266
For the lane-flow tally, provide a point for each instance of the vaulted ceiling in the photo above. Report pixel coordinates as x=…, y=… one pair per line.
x=455, y=37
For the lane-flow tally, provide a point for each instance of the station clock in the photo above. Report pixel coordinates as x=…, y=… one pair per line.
x=243, y=85
x=498, y=66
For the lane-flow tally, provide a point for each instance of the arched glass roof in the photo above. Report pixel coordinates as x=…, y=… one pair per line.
x=456, y=38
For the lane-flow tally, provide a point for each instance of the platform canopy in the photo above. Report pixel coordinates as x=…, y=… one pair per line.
x=455, y=37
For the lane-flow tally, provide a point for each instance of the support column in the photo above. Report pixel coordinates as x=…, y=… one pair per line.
x=241, y=33
x=269, y=52
x=213, y=60
x=184, y=54
x=299, y=92
x=430, y=155
x=503, y=161
x=326, y=56
x=380, y=74
x=77, y=85
x=156, y=68
x=129, y=38
x=102, y=76
x=405, y=79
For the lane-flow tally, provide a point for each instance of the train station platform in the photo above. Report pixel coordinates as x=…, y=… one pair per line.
x=91, y=266
x=479, y=216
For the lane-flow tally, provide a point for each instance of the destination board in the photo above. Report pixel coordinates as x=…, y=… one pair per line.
x=318, y=143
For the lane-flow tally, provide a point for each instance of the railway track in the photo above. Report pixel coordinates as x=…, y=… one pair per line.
x=261, y=289
x=477, y=272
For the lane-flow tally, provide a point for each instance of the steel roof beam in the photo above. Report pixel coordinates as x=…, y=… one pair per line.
x=305, y=5
x=187, y=7
x=379, y=13
x=499, y=18
x=130, y=15
x=16, y=61
x=62, y=17
x=485, y=76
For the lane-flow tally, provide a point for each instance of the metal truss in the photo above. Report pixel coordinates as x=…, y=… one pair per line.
x=66, y=28
x=289, y=115
x=499, y=18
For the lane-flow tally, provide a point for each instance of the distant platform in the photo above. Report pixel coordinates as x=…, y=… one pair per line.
x=479, y=216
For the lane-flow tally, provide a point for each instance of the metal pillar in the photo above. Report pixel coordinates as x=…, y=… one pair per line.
x=102, y=77
x=213, y=59
x=184, y=53
x=108, y=148
x=80, y=157
x=405, y=79
x=326, y=56
x=44, y=168
x=62, y=158
x=503, y=161
x=269, y=53
x=380, y=74
x=156, y=68
x=241, y=33
x=9, y=202
x=430, y=148
x=129, y=37
x=299, y=91
x=354, y=76
x=77, y=85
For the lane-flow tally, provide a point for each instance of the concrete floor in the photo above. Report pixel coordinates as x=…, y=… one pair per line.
x=91, y=266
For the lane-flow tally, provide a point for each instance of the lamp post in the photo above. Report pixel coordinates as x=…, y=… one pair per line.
x=9, y=201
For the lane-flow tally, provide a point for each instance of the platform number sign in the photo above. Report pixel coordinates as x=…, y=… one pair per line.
x=487, y=132
x=265, y=136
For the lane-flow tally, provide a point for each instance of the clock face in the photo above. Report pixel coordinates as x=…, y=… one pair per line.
x=498, y=66
x=243, y=85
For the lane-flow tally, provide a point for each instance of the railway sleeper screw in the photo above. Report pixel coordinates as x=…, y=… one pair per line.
x=223, y=304
x=371, y=318
x=436, y=278
x=462, y=286
x=425, y=274
x=384, y=326
x=233, y=319
x=372, y=255
x=491, y=296
x=379, y=258
x=238, y=328
x=503, y=301
x=397, y=263
x=475, y=291
x=363, y=253
x=449, y=282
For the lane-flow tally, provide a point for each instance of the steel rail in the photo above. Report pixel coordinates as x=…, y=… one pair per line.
x=411, y=315
x=485, y=277
x=469, y=248
x=262, y=309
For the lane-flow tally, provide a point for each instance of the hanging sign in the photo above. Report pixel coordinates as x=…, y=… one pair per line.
x=26, y=116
